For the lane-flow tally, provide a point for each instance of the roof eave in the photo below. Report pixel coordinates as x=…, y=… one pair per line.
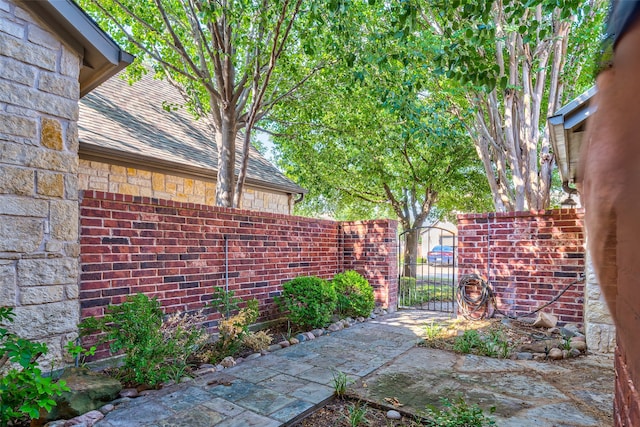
x=565, y=126
x=102, y=57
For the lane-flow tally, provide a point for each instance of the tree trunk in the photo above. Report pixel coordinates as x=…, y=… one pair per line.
x=411, y=239
x=226, y=143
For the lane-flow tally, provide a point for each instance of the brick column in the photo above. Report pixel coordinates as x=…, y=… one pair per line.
x=371, y=249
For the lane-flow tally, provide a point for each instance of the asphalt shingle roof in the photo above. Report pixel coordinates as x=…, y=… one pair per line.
x=118, y=119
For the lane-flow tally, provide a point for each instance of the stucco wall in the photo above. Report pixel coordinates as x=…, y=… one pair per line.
x=99, y=176
x=39, y=245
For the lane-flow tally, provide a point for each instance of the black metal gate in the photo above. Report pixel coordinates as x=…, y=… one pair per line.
x=428, y=275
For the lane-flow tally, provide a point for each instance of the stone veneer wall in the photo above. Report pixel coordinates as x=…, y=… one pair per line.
x=39, y=246
x=532, y=256
x=598, y=323
x=99, y=176
x=176, y=252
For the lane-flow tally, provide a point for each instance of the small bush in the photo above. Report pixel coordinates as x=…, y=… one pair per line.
x=155, y=351
x=23, y=389
x=355, y=294
x=310, y=301
x=233, y=330
x=459, y=414
x=257, y=341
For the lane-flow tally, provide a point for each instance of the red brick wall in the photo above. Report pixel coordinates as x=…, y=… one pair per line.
x=531, y=257
x=176, y=252
x=626, y=405
x=370, y=247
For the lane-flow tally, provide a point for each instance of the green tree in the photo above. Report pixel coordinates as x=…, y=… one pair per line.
x=376, y=133
x=232, y=60
x=511, y=55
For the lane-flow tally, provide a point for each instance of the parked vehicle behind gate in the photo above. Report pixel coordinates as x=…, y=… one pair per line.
x=441, y=255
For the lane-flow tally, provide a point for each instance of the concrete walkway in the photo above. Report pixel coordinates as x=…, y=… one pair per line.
x=381, y=359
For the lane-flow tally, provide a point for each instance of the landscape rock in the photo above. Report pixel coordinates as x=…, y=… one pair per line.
x=393, y=415
x=228, y=362
x=294, y=341
x=555, y=354
x=579, y=345
x=524, y=355
x=253, y=356
x=219, y=367
x=88, y=391
x=89, y=419
x=526, y=320
x=540, y=346
x=335, y=327
x=539, y=356
x=360, y=319
x=275, y=347
x=310, y=336
x=575, y=352
x=545, y=320
x=567, y=333
x=284, y=344
x=317, y=332
x=129, y=392
x=204, y=371
x=107, y=408
x=301, y=337
x=565, y=354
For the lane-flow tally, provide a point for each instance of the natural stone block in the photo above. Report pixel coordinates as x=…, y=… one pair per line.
x=132, y=190
x=46, y=320
x=50, y=184
x=72, y=249
x=18, y=71
x=23, y=96
x=27, y=52
x=597, y=313
x=22, y=235
x=72, y=137
x=43, y=38
x=4, y=5
x=53, y=247
x=47, y=271
x=19, y=126
x=69, y=63
x=24, y=206
x=600, y=338
x=8, y=287
x=157, y=181
x=51, y=134
x=14, y=180
x=41, y=295
x=12, y=28
x=71, y=291
x=54, y=160
x=71, y=187
x=59, y=85
x=64, y=220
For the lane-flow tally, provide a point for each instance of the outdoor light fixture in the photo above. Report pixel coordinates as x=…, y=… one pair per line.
x=568, y=203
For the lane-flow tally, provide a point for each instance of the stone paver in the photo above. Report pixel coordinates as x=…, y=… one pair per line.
x=381, y=359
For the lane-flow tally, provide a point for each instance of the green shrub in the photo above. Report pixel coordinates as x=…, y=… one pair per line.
x=23, y=389
x=310, y=301
x=355, y=294
x=459, y=414
x=155, y=351
x=233, y=330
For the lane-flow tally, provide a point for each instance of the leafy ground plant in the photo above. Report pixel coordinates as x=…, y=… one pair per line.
x=357, y=414
x=458, y=414
x=23, y=389
x=340, y=382
x=433, y=330
x=309, y=301
x=155, y=351
x=355, y=294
